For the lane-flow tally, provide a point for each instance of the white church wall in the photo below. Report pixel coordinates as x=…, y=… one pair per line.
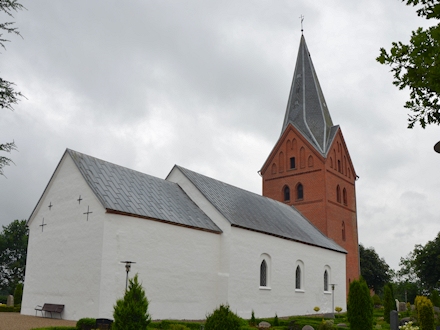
x=280, y=295
x=64, y=256
x=225, y=238
x=177, y=266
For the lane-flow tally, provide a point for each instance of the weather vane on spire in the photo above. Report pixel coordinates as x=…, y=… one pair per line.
x=302, y=19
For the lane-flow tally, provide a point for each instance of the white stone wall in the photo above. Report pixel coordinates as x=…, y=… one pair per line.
x=64, y=258
x=176, y=265
x=280, y=295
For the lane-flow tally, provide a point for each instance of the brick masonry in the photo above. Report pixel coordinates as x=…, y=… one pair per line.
x=329, y=194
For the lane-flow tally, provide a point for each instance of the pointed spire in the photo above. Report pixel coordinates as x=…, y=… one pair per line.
x=306, y=107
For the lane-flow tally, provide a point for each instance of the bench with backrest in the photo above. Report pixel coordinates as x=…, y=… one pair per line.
x=49, y=308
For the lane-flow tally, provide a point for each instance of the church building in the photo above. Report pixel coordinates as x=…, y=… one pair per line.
x=197, y=242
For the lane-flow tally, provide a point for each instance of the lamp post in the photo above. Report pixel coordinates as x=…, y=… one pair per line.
x=127, y=269
x=333, y=298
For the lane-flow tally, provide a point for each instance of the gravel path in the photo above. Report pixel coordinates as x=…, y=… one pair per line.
x=16, y=321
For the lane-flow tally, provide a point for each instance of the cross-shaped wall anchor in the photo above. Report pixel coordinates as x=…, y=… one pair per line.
x=79, y=199
x=88, y=212
x=50, y=206
x=42, y=225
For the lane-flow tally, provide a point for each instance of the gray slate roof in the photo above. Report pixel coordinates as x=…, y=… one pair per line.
x=306, y=107
x=251, y=211
x=124, y=190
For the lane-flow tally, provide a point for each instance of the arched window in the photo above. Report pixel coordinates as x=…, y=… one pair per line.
x=343, y=231
x=263, y=273
x=339, y=166
x=274, y=169
x=299, y=191
x=338, y=194
x=331, y=162
x=325, y=280
x=344, y=196
x=298, y=278
x=286, y=192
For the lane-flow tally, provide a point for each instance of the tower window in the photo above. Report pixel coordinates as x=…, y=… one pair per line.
x=292, y=162
x=325, y=281
x=286, y=193
x=344, y=196
x=338, y=194
x=299, y=191
x=339, y=166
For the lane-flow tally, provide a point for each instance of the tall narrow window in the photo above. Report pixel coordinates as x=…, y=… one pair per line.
x=344, y=196
x=343, y=231
x=298, y=278
x=299, y=191
x=263, y=273
x=292, y=162
x=286, y=193
x=338, y=194
x=302, y=157
x=339, y=166
x=325, y=281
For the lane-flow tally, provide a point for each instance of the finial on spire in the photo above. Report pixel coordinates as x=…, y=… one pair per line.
x=302, y=19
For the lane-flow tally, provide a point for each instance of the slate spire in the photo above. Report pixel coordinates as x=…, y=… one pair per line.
x=306, y=107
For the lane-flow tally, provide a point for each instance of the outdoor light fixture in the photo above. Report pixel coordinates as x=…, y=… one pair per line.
x=437, y=147
x=127, y=269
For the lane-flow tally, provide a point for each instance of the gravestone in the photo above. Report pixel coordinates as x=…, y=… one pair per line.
x=397, y=305
x=307, y=327
x=263, y=325
x=10, y=301
x=394, y=320
x=402, y=306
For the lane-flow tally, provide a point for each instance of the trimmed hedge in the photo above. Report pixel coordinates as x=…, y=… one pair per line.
x=85, y=321
x=55, y=328
x=10, y=309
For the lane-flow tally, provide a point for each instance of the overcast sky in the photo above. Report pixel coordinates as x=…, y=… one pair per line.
x=204, y=84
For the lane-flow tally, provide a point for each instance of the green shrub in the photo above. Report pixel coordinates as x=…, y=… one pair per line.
x=18, y=294
x=222, y=318
x=326, y=325
x=177, y=327
x=389, y=303
x=131, y=312
x=359, y=306
x=435, y=298
x=425, y=313
x=376, y=300
x=10, y=309
x=85, y=321
x=275, y=321
x=252, y=321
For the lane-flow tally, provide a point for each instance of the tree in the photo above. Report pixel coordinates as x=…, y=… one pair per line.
x=422, y=265
x=416, y=66
x=222, y=318
x=8, y=96
x=131, y=312
x=374, y=269
x=359, y=306
x=13, y=249
x=389, y=303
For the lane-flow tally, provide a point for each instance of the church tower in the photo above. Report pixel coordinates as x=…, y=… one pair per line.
x=310, y=167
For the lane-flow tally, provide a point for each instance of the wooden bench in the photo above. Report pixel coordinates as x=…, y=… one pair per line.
x=49, y=308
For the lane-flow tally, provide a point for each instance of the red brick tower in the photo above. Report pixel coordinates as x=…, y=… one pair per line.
x=310, y=167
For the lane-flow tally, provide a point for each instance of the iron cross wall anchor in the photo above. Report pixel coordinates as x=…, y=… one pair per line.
x=88, y=212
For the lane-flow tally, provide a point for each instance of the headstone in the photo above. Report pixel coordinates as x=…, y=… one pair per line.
x=263, y=325
x=404, y=321
x=436, y=309
x=402, y=306
x=342, y=325
x=394, y=320
x=10, y=300
x=307, y=327
x=397, y=305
